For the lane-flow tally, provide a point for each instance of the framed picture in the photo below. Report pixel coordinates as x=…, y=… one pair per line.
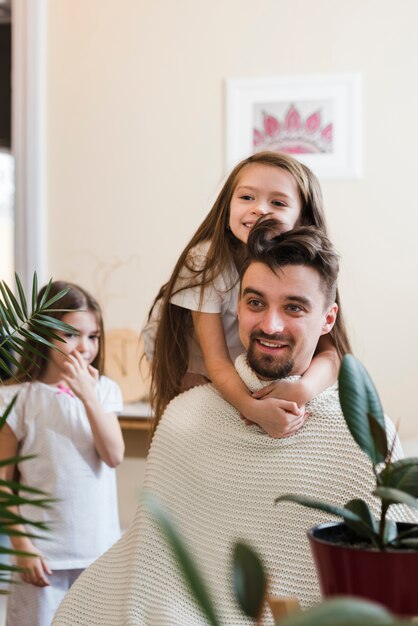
x=315, y=118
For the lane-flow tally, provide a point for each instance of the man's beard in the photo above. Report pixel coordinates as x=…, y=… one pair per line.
x=267, y=365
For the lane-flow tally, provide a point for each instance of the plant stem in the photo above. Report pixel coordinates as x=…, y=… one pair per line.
x=385, y=506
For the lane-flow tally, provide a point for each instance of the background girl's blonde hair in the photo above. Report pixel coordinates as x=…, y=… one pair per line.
x=171, y=353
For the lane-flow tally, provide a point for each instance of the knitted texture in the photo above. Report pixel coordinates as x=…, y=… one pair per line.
x=218, y=478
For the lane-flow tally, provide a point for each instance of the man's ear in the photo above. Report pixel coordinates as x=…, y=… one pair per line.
x=330, y=318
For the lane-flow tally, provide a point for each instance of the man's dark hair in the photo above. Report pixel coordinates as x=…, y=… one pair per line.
x=303, y=246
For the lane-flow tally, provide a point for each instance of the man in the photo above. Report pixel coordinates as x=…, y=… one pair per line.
x=218, y=477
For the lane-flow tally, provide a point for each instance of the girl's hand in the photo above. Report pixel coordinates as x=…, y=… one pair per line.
x=292, y=390
x=80, y=376
x=279, y=418
x=35, y=567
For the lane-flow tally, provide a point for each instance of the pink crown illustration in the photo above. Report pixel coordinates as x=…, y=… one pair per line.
x=292, y=134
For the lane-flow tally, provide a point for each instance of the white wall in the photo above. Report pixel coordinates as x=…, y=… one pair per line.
x=136, y=150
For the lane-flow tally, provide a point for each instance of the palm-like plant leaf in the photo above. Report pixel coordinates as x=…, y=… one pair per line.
x=16, y=322
x=17, y=325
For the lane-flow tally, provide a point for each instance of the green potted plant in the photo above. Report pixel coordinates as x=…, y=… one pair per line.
x=375, y=558
x=250, y=586
x=18, y=323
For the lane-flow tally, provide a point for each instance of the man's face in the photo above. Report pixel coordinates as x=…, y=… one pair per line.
x=281, y=317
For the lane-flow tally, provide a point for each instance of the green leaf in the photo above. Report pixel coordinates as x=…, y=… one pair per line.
x=8, y=410
x=14, y=460
x=403, y=475
x=16, y=486
x=34, y=336
x=14, y=361
x=13, y=301
x=34, y=291
x=406, y=534
x=378, y=433
x=4, y=366
x=47, y=305
x=408, y=543
x=40, y=305
x=358, y=399
x=361, y=508
x=7, y=317
x=342, y=612
x=187, y=567
x=40, y=328
x=375, y=406
x=22, y=296
x=23, y=346
x=10, y=302
x=390, y=533
x=396, y=496
x=348, y=515
x=250, y=581
x=56, y=324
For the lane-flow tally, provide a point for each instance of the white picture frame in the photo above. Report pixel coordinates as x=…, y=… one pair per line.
x=316, y=118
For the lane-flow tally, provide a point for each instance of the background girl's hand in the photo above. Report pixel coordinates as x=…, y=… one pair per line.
x=35, y=567
x=279, y=418
x=80, y=376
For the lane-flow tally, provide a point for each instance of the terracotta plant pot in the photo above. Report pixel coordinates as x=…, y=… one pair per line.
x=390, y=577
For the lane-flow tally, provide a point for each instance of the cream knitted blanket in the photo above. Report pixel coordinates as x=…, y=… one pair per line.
x=219, y=479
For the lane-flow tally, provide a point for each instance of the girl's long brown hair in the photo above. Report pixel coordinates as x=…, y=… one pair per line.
x=171, y=351
x=76, y=299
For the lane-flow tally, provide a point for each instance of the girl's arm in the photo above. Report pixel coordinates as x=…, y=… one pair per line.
x=35, y=567
x=322, y=372
x=278, y=417
x=107, y=434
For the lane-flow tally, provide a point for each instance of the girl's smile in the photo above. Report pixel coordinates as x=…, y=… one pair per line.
x=263, y=189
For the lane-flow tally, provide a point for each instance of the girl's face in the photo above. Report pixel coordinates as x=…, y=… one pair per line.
x=86, y=343
x=263, y=189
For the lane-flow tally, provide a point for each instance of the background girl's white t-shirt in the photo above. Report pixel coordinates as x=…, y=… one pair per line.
x=83, y=522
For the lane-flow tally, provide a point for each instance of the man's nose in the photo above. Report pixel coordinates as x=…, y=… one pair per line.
x=272, y=322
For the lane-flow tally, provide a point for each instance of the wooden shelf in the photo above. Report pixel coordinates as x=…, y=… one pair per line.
x=136, y=416
x=133, y=423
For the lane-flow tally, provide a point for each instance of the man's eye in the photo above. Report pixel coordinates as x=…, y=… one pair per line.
x=255, y=304
x=294, y=308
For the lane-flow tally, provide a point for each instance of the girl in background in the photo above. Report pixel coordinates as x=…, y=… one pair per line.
x=192, y=332
x=65, y=415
